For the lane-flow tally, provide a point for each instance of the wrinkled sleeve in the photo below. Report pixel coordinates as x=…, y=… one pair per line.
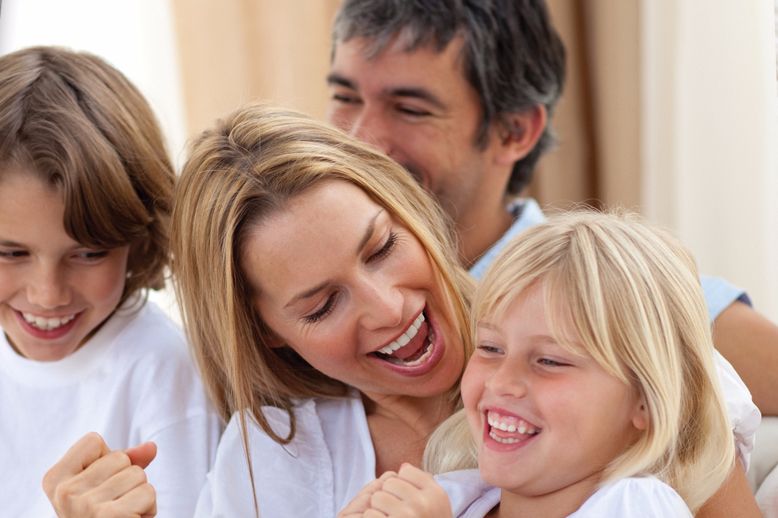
x=744, y=416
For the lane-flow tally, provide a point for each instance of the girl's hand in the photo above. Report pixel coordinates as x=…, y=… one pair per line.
x=411, y=493
x=90, y=480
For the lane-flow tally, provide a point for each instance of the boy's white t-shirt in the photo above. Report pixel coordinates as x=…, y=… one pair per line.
x=132, y=382
x=633, y=497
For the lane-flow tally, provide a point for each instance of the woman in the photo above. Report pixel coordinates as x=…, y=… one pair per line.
x=340, y=334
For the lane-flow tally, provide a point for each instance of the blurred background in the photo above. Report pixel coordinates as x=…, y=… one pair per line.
x=671, y=107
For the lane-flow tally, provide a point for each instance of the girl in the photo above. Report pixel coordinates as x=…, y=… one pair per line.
x=85, y=197
x=592, y=391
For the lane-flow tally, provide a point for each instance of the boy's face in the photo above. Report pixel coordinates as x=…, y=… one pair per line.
x=418, y=108
x=54, y=292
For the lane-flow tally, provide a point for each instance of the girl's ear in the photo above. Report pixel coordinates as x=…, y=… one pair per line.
x=640, y=416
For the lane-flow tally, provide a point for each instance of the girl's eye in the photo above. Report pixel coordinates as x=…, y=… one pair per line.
x=386, y=249
x=548, y=362
x=489, y=349
x=322, y=312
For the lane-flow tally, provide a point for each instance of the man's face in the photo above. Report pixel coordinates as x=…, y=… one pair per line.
x=419, y=109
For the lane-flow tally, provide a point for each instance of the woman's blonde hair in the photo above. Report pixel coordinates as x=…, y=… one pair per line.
x=629, y=295
x=244, y=169
x=82, y=127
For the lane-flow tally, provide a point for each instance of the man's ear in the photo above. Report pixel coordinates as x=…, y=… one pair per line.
x=519, y=133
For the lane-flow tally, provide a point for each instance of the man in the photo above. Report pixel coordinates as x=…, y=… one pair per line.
x=461, y=92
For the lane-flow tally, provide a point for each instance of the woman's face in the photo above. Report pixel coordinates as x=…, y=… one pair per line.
x=353, y=292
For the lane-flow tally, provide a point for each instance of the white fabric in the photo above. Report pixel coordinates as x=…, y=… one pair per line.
x=635, y=497
x=133, y=381
x=329, y=460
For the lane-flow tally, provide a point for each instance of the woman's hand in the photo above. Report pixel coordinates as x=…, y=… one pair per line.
x=90, y=480
x=411, y=493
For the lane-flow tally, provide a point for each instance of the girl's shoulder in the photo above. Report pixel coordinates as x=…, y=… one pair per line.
x=634, y=497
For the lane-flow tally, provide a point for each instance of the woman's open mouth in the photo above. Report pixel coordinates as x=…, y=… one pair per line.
x=415, y=351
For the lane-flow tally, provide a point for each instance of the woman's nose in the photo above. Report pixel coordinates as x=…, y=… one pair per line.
x=382, y=304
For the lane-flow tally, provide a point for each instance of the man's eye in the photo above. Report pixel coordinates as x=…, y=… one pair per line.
x=345, y=99
x=413, y=112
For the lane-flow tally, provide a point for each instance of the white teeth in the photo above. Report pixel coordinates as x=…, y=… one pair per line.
x=47, y=324
x=509, y=424
x=403, y=339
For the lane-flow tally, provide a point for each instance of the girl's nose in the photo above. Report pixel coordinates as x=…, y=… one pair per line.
x=509, y=379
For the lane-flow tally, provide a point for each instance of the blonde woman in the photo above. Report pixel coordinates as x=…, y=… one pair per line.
x=324, y=304
x=592, y=390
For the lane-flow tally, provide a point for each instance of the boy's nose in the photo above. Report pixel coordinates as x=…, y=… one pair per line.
x=48, y=289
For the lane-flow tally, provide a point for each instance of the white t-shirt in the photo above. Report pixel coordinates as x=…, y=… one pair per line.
x=329, y=460
x=634, y=497
x=132, y=382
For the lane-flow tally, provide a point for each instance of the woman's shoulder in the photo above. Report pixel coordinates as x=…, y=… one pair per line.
x=634, y=497
x=295, y=478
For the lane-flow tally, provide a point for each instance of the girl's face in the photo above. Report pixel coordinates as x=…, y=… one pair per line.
x=353, y=292
x=54, y=292
x=545, y=419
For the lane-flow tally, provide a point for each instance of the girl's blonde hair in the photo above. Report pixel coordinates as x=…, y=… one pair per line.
x=238, y=173
x=632, y=295
x=82, y=127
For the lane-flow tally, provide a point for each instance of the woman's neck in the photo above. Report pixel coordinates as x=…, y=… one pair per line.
x=400, y=426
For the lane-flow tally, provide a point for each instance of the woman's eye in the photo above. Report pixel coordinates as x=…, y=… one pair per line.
x=386, y=249
x=323, y=311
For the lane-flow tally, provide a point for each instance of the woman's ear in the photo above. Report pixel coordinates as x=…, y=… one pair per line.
x=272, y=340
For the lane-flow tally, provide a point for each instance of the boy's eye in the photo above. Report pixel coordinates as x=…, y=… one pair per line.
x=91, y=255
x=13, y=254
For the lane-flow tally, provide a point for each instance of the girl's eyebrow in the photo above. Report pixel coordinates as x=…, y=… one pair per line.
x=316, y=289
x=9, y=244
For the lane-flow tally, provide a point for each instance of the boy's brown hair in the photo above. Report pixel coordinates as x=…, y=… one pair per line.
x=79, y=124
